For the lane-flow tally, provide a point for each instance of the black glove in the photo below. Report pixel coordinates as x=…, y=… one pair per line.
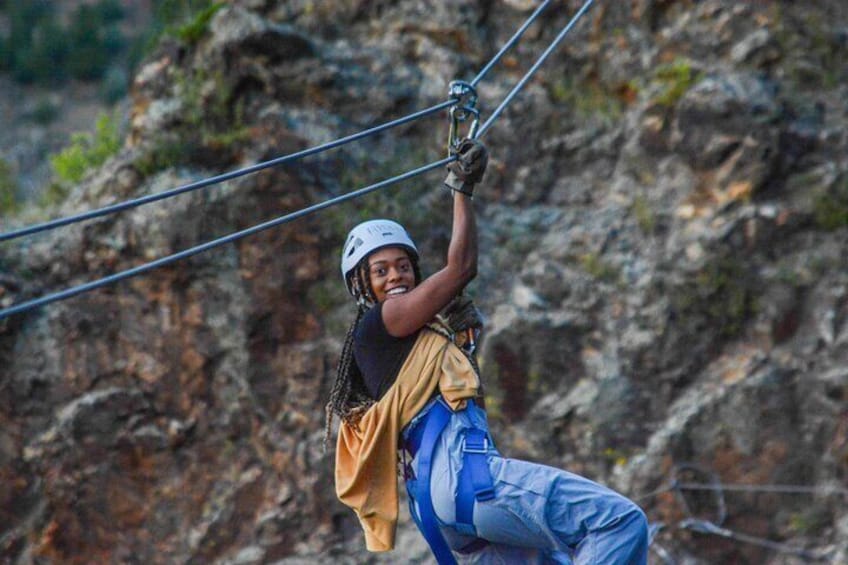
x=461, y=314
x=469, y=167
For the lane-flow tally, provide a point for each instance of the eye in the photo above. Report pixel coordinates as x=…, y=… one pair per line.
x=378, y=271
x=405, y=267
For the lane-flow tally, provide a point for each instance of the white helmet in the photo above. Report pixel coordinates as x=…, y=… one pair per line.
x=369, y=237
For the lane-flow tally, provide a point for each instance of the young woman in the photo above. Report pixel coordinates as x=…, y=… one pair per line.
x=405, y=392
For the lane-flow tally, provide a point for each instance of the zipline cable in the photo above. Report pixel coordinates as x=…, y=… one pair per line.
x=533, y=69
x=79, y=289
x=707, y=527
x=740, y=487
x=119, y=207
x=161, y=262
x=509, y=44
x=714, y=527
x=59, y=222
x=778, y=488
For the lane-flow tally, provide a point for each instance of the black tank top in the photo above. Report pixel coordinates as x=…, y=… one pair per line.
x=378, y=354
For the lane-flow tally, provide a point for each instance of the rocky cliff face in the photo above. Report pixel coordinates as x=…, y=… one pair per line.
x=664, y=226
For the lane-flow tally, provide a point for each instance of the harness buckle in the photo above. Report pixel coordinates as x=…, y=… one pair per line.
x=475, y=444
x=484, y=494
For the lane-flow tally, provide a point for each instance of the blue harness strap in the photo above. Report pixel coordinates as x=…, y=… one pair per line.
x=436, y=420
x=475, y=480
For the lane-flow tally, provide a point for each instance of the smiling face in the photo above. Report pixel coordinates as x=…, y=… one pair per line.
x=391, y=273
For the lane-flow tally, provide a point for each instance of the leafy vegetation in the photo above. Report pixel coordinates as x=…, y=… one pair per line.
x=720, y=295
x=677, y=78
x=590, y=99
x=8, y=189
x=815, y=51
x=44, y=112
x=39, y=48
x=211, y=123
x=644, y=214
x=831, y=208
x=599, y=269
x=184, y=20
x=43, y=46
x=193, y=30
x=87, y=150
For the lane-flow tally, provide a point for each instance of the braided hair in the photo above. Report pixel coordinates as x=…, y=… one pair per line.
x=349, y=398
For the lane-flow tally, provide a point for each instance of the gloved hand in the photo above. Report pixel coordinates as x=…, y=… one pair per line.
x=469, y=167
x=461, y=314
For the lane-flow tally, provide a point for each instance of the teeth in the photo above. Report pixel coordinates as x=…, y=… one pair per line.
x=398, y=290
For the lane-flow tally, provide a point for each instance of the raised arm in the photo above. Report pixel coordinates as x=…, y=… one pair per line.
x=406, y=313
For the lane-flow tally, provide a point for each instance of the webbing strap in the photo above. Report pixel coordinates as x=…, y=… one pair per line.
x=437, y=419
x=475, y=480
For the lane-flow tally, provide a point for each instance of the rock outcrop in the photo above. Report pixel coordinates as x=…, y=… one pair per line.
x=663, y=235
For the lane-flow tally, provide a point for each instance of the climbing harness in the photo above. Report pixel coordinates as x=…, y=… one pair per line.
x=418, y=488
x=474, y=484
x=85, y=287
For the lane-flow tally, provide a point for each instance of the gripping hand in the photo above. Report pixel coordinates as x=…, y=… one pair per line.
x=469, y=167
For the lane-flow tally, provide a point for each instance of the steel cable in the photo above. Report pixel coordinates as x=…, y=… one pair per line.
x=707, y=527
x=715, y=528
x=133, y=203
x=488, y=123
x=59, y=222
x=161, y=262
x=781, y=489
x=79, y=289
x=510, y=43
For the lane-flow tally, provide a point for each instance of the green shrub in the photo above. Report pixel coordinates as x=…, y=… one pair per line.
x=44, y=113
x=720, y=297
x=163, y=154
x=42, y=60
x=589, y=99
x=645, y=216
x=87, y=150
x=8, y=189
x=830, y=209
x=39, y=48
x=185, y=20
x=53, y=195
x=599, y=269
x=678, y=77
x=192, y=31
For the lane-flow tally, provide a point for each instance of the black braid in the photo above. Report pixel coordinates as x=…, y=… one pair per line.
x=349, y=398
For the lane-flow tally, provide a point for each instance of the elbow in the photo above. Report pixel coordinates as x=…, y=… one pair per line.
x=469, y=273
x=463, y=271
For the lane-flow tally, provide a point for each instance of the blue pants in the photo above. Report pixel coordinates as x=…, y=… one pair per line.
x=539, y=514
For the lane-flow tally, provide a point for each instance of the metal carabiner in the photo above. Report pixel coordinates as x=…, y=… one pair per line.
x=464, y=92
x=466, y=100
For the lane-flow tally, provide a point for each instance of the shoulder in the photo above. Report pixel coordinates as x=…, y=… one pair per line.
x=371, y=326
